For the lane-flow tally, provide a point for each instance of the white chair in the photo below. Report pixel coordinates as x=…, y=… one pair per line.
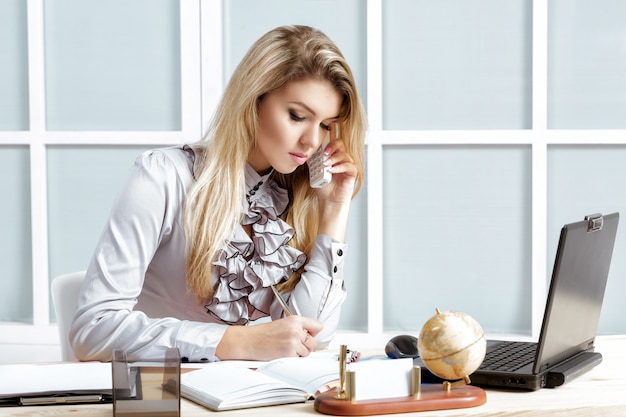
x=65, y=290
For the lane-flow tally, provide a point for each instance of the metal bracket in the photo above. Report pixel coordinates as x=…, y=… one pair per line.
x=594, y=222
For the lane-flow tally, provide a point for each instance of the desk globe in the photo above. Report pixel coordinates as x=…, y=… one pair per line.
x=452, y=345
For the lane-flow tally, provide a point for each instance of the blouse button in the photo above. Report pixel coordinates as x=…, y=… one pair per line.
x=335, y=269
x=339, y=252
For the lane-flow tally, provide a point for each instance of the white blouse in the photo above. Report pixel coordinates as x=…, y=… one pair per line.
x=134, y=296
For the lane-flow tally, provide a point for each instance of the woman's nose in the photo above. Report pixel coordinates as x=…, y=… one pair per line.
x=313, y=138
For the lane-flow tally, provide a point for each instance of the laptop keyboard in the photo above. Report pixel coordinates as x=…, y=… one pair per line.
x=509, y=356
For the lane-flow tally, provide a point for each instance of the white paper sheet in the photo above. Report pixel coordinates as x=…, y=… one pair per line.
x=16, y=380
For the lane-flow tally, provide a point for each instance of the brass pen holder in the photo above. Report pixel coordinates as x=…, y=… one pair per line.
x=347, y=400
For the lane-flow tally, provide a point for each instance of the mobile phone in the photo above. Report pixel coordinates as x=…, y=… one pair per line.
x=319, y=175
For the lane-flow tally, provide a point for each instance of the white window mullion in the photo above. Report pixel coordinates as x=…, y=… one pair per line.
x=36, y=70
x=190, y=69
x=375, y=65
x=375, y=167
x=539, y=233
x=539, y=162
x=540, y=66
x=212, y=63
x=375, y=270
x=39, y=224
x=39, y=206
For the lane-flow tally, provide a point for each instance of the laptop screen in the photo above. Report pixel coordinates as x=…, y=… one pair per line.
x=576, y=291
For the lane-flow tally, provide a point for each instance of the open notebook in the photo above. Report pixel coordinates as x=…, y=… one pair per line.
x=570, y=322
x=229, y=385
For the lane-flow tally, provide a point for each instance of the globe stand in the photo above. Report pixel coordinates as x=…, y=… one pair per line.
x=447, y=385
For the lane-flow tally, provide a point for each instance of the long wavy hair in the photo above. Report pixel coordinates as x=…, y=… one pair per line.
x=216, y=200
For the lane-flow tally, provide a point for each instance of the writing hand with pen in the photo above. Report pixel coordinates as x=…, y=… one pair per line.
x=308, y=340
x=292, y=335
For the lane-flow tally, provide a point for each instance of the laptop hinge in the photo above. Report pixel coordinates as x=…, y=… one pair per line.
x=594, y=222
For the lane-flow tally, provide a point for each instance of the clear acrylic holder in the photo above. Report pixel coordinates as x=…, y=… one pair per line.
x=148, y=387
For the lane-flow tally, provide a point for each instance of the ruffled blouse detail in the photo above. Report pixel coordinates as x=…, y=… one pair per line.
x=247, y=267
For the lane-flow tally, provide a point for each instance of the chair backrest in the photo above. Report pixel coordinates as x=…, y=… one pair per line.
x=65, y=290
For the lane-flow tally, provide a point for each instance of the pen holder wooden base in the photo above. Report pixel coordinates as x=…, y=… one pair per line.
x=432, y=397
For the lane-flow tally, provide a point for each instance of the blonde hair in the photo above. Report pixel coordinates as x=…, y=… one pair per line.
x=217, y=199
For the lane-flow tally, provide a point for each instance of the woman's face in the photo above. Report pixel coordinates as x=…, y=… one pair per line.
x=293, y=122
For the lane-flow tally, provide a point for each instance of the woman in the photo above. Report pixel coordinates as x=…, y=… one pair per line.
x=200, y=233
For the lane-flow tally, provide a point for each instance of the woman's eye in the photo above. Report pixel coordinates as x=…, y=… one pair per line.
x=295, y=117
x=325, y=127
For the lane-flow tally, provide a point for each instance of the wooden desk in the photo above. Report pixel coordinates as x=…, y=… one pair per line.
x=600, y=392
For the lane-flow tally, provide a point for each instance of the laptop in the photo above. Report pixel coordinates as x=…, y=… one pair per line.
x=565, y=348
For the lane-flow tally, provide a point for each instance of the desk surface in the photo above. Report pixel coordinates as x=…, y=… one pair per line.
x=599, y=392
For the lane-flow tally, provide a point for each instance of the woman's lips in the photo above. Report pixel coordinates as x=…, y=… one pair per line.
x=299, y=158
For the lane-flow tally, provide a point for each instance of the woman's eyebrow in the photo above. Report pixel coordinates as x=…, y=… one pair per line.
x=310, y=110
x=301, y=104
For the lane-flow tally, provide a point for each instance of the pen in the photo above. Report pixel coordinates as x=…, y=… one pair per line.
x=68, y=399
x=286, y=309
x=343, y=350
x=282, y=302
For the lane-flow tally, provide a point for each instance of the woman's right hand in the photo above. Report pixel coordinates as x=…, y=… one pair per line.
x=289, y=336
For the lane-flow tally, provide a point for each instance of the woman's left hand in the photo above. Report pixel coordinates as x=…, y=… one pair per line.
x=341, y=165
x=335, y=197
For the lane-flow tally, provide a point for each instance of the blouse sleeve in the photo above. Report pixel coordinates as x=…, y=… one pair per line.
x=143, y=214
x=320, y=292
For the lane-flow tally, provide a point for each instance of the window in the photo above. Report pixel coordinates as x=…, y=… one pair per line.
x=491, y=124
